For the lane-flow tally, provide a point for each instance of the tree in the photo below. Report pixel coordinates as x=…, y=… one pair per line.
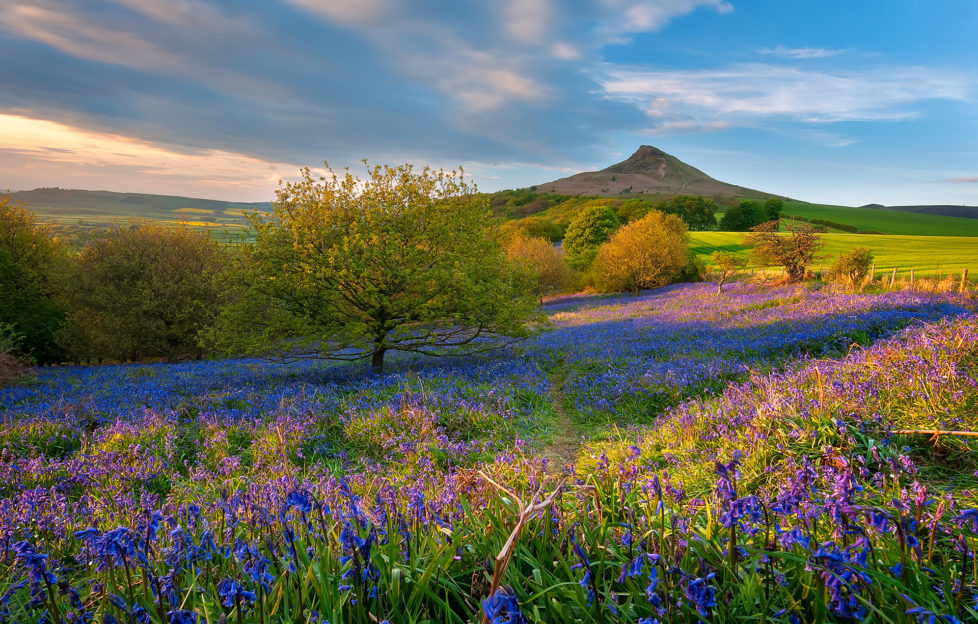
x=32, y=268
x=538, y=257
x=648, y=253
x=698, y=212
x=592, y=227
x=773, y=207
x=145, y=291
x=852, y=268
x=345, y=268
x=793, y=250
x=727, y=265
x=754, y=214
x=732, y=220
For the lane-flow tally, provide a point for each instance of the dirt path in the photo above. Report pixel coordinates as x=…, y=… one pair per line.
x=562, y=450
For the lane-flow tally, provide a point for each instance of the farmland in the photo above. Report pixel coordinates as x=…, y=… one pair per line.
x=927, y=255
x=678, y=456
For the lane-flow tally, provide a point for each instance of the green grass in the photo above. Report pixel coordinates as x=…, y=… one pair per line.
x=885, y=221
x=927, y=255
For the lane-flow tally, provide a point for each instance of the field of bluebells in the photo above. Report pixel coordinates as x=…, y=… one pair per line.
x=739, y=460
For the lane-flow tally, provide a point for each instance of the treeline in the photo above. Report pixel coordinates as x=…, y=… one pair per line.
x=548, y=215
x=133, y=292
x=341, y=268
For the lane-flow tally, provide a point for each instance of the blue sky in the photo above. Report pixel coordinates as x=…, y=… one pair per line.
x=831, y=101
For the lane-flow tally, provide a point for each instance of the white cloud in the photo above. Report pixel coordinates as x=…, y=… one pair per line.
x=345, y=12
x=686, y=127
x=800, y=53
x=759, y=90
x=635, y=16
x=966, y=180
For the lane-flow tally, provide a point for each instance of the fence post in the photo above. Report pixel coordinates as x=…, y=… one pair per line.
x=964, y=280
x=893, y=278
x=911, y=278
x=872, y=272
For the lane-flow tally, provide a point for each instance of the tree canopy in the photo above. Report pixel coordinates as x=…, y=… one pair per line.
x=592, y=227
x=145, y=290
x=648, y=253
x=404, y=260
x=542, y=260
x=32, y=265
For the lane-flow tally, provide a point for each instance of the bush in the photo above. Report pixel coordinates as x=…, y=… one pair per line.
x=11, y=368
x=794, y=251
x=648, y=253
x=852, y=268
x=542, y=260
x=145, y=291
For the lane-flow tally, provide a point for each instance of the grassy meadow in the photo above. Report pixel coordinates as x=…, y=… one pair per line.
x=885, y=221
x=931, y=256
x=679, y=456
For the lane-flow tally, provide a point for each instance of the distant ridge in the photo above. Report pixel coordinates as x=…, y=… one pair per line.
x=105, y=207
x=648, y=171
x=968, y=212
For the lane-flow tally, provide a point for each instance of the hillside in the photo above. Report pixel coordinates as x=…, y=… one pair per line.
x=89, y=208
x=967, y=212
x=648, y=171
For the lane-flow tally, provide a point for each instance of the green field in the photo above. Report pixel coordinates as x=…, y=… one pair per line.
x=927, y=255
x=885, y=221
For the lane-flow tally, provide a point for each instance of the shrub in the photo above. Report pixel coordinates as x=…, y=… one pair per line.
x=852, y=268
x=145, y=291
x=794, y=251
x=648, y=253
x=542, y=260
x=727, y=265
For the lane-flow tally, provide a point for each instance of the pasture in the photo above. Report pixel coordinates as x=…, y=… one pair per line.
x=678, y=457
x=931, y=256
x=885, y=221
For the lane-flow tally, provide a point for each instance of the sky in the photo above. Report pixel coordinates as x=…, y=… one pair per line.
x=832, y=101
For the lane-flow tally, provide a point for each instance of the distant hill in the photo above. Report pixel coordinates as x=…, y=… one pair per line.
x=75, y=207
x=648, y=171
x=967, y=212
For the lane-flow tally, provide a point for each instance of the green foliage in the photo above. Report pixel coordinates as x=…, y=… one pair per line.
x=349, y=269
x=794, y=251
x=535, y=227
x=32, y=269
x=754, y=213
x=733, y=220
x=773, y=207
x=648, y=253
x=698, y=212
x=592, y=227
x=852, y=268
x=145, y=291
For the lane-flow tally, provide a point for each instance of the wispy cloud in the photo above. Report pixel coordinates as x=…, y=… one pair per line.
x=800, y=53
x=739, y=94
x=966, y=179
x=33, y=147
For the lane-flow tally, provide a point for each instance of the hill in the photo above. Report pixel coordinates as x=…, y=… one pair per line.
x=648, y=171
x=93, y=208
x=967, y=212
x=884, y=221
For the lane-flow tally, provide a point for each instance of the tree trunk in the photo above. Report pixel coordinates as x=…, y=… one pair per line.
x=377, y=360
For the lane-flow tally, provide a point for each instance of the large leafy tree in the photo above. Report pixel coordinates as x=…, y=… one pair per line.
x=347, y=268
x=32, y=267
x=648, y=253
x=698, y=212
x=588, y=231
x=145, y=290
